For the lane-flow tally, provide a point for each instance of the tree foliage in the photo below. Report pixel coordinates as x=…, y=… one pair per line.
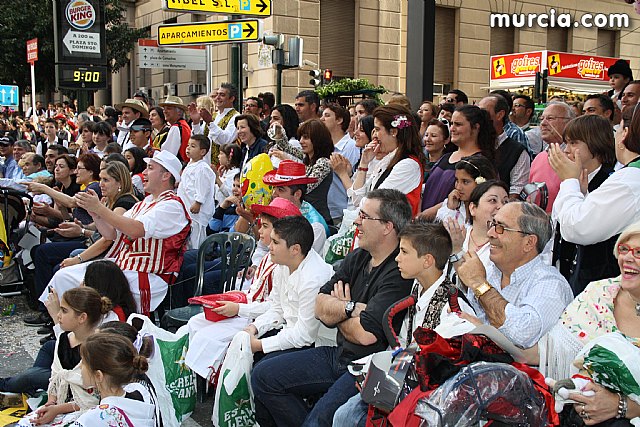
x=34, y=19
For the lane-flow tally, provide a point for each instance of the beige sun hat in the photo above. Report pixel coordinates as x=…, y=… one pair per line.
x=136, y=105
x=174, y=101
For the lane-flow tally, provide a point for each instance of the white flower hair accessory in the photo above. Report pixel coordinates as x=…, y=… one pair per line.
x=479, y=180
x=400, y=122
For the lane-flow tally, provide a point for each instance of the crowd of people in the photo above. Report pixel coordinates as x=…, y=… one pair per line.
x=441, y=201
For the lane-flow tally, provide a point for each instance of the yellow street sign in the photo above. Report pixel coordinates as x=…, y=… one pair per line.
x=228, y=7
x=209, y=32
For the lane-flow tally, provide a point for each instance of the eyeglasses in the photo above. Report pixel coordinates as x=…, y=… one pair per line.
x=552, y=118
x=624, y=249
x=362, y=215
x=500, y=229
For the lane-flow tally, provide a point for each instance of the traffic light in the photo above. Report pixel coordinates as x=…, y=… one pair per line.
x=328, y=74
x=316, y=78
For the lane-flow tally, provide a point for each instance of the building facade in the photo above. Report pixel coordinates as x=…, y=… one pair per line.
x=368, y=39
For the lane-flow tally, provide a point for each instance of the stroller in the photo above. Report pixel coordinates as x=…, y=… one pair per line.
x=14, y=210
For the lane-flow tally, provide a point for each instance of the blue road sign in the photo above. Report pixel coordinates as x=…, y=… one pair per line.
x=9, y=95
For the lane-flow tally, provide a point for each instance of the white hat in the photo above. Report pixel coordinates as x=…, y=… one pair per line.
x=167, y=161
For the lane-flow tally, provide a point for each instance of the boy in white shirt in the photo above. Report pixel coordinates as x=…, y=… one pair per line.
x=196, y=189
x=290, y=323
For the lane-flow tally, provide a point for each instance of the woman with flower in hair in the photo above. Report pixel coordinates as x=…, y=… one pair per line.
x=395, y=135
x=470, y=171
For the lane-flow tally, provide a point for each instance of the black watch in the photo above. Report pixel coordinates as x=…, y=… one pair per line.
x=349, y=307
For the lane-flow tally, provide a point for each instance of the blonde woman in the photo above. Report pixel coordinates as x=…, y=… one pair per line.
x=117, y=191
x=206, y=102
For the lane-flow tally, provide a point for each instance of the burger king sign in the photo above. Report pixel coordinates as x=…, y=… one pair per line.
x=80, y=14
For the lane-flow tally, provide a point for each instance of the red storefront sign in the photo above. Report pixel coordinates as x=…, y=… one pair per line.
x=516, y=65
x=582, y=67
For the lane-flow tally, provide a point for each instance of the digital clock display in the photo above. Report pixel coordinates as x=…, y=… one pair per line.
x=82, y=77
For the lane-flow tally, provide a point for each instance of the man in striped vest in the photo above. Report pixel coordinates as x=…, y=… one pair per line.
x=148, y=240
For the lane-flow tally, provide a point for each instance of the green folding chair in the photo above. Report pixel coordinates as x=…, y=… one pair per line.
x=235, y=251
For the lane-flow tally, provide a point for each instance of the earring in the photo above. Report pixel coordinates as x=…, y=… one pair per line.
x=119, y=189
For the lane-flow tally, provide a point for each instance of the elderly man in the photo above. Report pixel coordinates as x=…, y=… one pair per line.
x=179, y=130
x=553, y=120
x=131, y=110
x=20, y=148
x=513, y=162
x=33, y=166
x=148, y=240
x=353, y=301
x=518, y=294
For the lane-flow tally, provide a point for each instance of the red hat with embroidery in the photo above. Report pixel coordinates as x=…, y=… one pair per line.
x=278, y=208
x=288, y=173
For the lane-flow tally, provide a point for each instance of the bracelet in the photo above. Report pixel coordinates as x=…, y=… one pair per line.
x=80, y=258
x=622, y=406
x=363, y=169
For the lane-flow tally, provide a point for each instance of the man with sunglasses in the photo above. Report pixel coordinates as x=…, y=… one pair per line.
x=9, y=168
x=519, y=294
x=140, y=135
x=354, y=301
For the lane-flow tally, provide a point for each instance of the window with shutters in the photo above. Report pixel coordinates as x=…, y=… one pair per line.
x=607, y=43
x=444, y=49
x=337, y=36
x=502, y=40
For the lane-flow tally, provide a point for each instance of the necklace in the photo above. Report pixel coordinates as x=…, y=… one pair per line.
x=635, y=302
x=474, y=242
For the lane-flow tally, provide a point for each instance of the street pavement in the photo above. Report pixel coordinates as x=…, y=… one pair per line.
x=19, y=345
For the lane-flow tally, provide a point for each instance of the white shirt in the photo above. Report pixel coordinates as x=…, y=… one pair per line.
x=109, y=413
x=173, y=142
x=216, y=134
x=227, y=184
x=197, y=185
x=337, y=199
x=404, y=177
x=607, y=211
x=123, y=134
x=293, y=300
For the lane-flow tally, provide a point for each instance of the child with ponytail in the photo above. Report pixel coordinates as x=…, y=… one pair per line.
x=109, y=363
x=81, y=310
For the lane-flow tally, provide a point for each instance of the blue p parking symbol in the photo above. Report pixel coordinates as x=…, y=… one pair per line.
x=245, y=4
x=235, y=31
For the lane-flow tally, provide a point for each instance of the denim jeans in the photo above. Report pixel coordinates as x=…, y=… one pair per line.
x=34, y=378
x=280, y=385
x=46, y=258
x=186, y=282
x=352, y=414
